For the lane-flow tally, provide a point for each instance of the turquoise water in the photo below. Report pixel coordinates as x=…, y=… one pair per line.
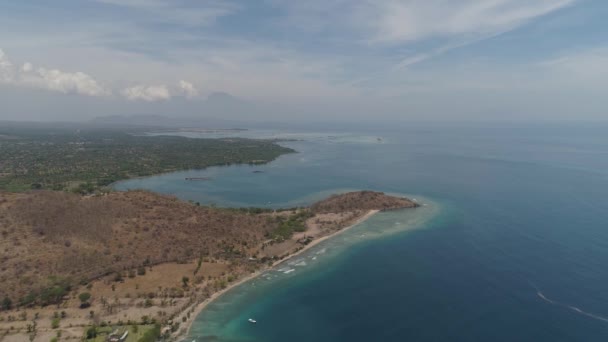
x=513, y=245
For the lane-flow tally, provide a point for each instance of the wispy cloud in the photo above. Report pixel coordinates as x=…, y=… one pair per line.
x=297, y=52
x=199, y=13
x=401, y=21
x=384, y=24
x=406, y=21
x=590, y=62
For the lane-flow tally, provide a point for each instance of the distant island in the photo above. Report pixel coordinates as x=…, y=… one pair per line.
x=142, y=263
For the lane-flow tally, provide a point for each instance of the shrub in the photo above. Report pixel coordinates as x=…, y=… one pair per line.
x=7, y=304
x=91, y=332
x=84, y=300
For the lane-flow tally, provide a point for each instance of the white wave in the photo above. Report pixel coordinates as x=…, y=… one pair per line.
x=573, y=308
x=289, y=271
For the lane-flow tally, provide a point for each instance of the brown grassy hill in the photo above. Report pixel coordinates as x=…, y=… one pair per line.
x=56, y=233
x=52, y=241
x=361, y=200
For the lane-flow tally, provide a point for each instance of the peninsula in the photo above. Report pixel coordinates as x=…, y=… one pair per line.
x=142, y=263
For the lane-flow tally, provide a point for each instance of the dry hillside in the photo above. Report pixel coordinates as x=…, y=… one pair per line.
x=361, y=200
x=51, y=240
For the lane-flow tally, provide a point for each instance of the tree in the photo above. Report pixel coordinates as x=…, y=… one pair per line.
x=185, y=281
x=91, y=332
x=84, y=299
x=7, y=304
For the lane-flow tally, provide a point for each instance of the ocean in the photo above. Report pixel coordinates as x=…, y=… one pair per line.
x=512, y=244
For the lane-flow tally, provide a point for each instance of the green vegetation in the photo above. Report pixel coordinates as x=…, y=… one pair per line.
x=151, y=335
x=91, y=333
x=294, y=223
x=84, y=300
x=52, y=294
x=137, y=333
x=7, y=304
x=55, y=323
x=84, y=160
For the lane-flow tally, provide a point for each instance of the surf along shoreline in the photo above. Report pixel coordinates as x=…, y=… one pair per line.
x=196, y=309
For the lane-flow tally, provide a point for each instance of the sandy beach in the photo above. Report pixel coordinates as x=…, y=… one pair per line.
x=201, y=306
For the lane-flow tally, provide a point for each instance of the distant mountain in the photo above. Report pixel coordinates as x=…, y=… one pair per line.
x=221, y=97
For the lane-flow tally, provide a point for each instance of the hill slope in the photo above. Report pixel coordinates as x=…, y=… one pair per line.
x=52, y=239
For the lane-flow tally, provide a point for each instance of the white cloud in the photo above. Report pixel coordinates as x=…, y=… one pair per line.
x=27, y=67
x=49, y=79
x=351, y=40
x=147, y=93
x=81, y=83
x=6, y=68
x=151, y=93
x=188, y=89
x=65, y=82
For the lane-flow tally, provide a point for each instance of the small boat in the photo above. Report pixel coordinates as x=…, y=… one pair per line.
x=251, y=320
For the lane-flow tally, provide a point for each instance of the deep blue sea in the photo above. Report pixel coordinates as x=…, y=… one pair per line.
x=511, y=246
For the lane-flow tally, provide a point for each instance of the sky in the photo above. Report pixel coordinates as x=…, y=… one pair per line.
x=286, y=60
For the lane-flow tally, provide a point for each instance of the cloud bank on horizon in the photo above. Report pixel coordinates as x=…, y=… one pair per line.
x=81, y=83
x=399, y=58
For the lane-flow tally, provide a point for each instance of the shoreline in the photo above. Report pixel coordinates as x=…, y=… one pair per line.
x=198, y=308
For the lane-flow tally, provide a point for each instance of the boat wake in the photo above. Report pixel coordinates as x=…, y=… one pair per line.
x=570, y=307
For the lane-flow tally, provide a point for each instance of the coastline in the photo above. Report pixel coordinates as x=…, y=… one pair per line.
x=201, y=306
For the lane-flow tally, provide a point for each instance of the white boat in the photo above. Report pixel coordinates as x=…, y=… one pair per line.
x=251, y=320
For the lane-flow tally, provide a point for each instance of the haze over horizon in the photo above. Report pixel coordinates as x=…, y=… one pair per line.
x=282, y=60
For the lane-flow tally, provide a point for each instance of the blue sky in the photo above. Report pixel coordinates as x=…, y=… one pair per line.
x=338, y=59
